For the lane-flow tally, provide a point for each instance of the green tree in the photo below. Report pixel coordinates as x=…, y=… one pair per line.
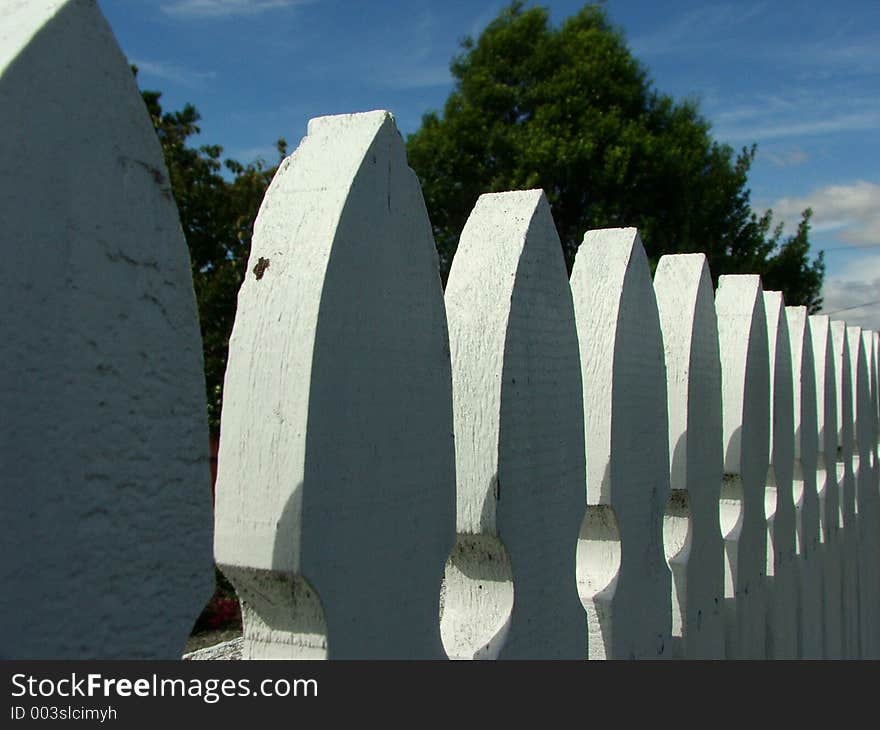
x=571, y=111
x=217, y=213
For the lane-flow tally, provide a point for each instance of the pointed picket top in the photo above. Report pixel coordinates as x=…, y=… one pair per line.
x=805, y=427
x=105, y=528
x=519, y=422
x=810, y=641
x=746, y=375
x=875, y=393
x=745, y=368
x=843, y=378
x=22, y=20
x=692, y=533
x=827, y=487
x=826, y=400
x=782, y=633
x=779, y=351
x=845, y=419
x=861, y=396
x=624, y=383
x=869, y=343
x=335, y=489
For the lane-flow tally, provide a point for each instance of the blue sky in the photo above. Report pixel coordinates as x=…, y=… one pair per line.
x=800, y=79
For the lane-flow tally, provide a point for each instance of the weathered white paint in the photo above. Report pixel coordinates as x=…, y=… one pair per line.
x=623, y=578
x=336, y=487
x=806, y=500
x=864, y=412
x=847, y=487
x=510, y=585
x=105, y=528
x=745, y=371
x=830, y=535
x=781, y=581
x=691, y=529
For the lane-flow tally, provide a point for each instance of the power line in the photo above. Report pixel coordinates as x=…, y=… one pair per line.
x=851, y=248
x=854, y=306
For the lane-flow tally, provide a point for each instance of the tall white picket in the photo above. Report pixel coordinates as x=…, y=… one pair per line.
x=869, y=497
x=745, y=370
x=847, y=486
x=809, y=562
x=691, y=529
x=623, y=578
x=875, y=393
x=876, y=379
x=870, y=342
x=864, y=412
x=782, y=595
x=510, y=588
x=830, y=524
x=335, y=508
x=105, y=523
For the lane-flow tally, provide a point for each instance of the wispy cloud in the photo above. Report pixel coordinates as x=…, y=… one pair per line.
x=782, y=128
x=784, y=157
x=705, y=23
x=423, y=70
x=168, y=71
x=852, y=211
x=807, y=110
x=423, y=33
x=418, y=77
x=224, y=8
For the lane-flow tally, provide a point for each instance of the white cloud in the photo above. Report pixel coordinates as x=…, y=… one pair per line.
x=856, y=291
x=852, y=210
x=168, y=71
x=224, y=8
x=851, y=215
x=780, y=128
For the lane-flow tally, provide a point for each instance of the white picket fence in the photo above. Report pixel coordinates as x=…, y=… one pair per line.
x=526, y=466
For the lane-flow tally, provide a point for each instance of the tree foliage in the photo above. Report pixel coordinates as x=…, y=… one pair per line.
x=217, y=213
x=571, y=111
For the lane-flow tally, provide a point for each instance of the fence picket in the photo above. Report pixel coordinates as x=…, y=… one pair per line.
x=691, y=531
x=847, y=486
x=336, y=486
x=510, y=588
x=863, y=472
x=830, y=535
x=809, y=570
x=781, y=580
x=105, y=528
x=623, y=578
x=745, y=370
